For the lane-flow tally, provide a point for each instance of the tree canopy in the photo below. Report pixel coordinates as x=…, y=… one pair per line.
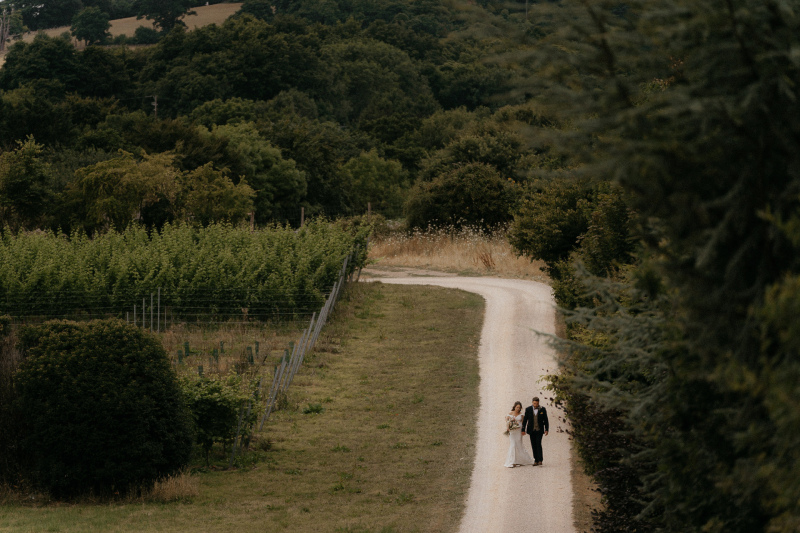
x=91, y=25
x=684, y=355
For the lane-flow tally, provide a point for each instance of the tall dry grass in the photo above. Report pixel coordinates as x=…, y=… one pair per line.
x=181, y=487
x=468, y=251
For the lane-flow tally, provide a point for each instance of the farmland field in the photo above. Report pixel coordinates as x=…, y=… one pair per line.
x=205, y=15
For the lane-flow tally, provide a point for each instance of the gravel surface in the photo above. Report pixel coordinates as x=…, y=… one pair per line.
x=513, y=359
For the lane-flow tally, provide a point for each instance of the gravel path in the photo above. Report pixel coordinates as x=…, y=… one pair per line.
x=513, y=358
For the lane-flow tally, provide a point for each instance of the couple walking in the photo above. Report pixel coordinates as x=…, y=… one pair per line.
x=534, y=423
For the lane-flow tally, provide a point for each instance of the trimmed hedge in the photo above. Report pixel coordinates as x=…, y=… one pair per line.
x=102, y=407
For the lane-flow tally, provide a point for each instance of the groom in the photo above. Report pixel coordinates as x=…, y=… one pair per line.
x=536, y=424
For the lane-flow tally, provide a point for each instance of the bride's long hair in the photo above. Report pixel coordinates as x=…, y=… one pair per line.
x=515, y=407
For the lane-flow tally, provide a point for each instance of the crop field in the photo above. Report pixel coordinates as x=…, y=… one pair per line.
x=221, y=273
x=204, y=15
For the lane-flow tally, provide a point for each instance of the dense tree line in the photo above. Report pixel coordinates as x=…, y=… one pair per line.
x=327, y=109
x=670, y=230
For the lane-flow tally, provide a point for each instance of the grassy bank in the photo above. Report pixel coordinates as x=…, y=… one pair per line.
x=377, y=434
x=467, y=252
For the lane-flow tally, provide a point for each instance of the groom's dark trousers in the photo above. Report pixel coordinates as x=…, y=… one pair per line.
x=536, y=444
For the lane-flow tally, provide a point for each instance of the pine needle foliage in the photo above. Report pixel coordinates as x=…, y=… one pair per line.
x=692, y=107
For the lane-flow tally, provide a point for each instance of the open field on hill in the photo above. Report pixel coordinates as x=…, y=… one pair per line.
x=205, y=15
x=395, y=379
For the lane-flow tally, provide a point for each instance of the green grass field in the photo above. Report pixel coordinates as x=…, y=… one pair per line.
x=396, y=377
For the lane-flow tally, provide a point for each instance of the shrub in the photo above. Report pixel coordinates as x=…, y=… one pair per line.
x=9, y=422
x=103, y=409
x=122, y=40
x=475, y=194
x=5, y=326
x=608, y=241
x=215, y=407
x=313, y=409
x=145, y=35
x=550, y=219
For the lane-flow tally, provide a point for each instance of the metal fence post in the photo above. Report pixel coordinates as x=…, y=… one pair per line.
x=271, y=388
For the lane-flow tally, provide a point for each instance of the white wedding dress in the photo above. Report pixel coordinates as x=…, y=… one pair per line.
x=516, y=453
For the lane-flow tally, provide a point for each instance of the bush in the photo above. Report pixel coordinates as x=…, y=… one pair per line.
x=215, y=407
x=475, y=194
x=145, y=35
x=122, y=40
x=568, y=289
x=550, y=219
x=313, y=409
x=608, y=241
x=103, y=409
x=9, y=422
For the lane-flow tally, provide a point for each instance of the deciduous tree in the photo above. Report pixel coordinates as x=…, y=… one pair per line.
x=211, y=196
x=114, y=192
x=279, y=186
x=471, y=194
x=91, y=25
x=25, y=185
x=165, y=13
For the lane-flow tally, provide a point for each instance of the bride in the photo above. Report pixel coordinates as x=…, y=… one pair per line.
x=516, y=453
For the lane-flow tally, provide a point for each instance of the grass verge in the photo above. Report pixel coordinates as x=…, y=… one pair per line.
x=377, y=436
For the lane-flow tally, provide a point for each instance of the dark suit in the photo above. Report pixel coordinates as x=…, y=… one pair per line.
x=536, y=435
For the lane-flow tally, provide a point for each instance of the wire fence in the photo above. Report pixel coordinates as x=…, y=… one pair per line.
x=292, y=360
x=150, y=316
x=159, y=309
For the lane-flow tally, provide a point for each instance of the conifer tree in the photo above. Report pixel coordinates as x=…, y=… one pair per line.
x=692, y=107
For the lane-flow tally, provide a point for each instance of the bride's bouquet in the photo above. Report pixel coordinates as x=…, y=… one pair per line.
x=511, y=426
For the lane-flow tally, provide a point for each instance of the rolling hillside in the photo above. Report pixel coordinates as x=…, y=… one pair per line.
x=205, y=15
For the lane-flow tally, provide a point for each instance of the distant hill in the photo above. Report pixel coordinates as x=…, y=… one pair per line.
x=213, y=14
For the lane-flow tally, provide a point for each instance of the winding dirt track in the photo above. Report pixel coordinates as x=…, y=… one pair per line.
x=513, y=358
